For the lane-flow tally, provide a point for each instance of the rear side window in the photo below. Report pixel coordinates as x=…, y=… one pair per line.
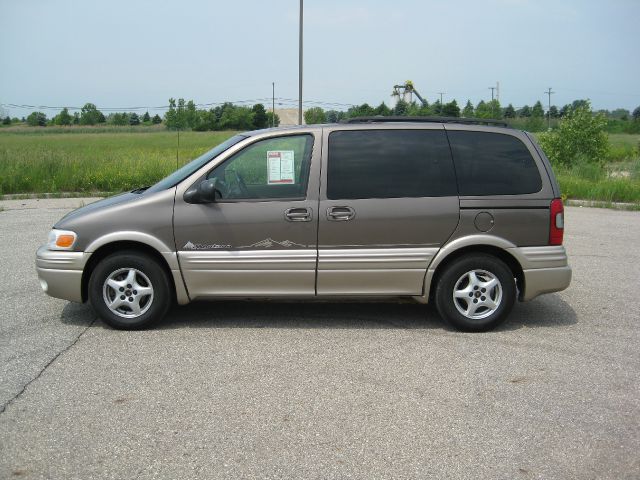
x=389, y=164
x=493, y=164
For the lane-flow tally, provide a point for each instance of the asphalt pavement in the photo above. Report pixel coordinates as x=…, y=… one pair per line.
x=324, y=390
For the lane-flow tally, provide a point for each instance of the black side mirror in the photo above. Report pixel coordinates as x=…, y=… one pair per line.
x=203, y=192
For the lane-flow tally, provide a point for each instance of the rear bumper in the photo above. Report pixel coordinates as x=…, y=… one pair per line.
x=60, y=273
x=546, y=269
x=545, y=280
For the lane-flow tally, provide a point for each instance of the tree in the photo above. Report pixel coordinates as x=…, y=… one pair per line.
x=63, y=118
x=134, y=119
x=314, y=115
x=581, y=103
x=37, y=119
x=483, y=110
x=495, y=109
x=90, y=115
x=190, y=114
x=509, y=112
x=118, y=118
x=364, y=110
x=334, y=116
x=436, y=108
x=273, y=119
x=146, y=117
x=620, y=114
x=260, y=119
x=524, y=112
x=170, y=116
x=451, y=109
x=636, y=114
x=233, y=117
x=401, y=108
x=537, y=111
x=6, y=120
x=579, y=137
x=383, y=110
x=176, y=116
x=156, y=120
x=468, y=110
x=553, y=112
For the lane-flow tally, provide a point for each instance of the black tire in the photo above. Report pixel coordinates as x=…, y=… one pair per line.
x=146, y=270
x=457, y=276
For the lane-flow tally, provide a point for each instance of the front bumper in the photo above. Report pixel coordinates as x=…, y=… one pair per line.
x=60, y=273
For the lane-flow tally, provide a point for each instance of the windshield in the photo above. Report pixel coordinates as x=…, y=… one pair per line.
x=183, y=172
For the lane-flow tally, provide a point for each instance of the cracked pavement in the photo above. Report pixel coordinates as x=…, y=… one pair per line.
x=324, y=390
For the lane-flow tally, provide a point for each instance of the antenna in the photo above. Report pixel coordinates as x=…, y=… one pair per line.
x=178, y=149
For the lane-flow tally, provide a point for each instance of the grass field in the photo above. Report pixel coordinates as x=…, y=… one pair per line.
x=109, y=161
x=114, y=159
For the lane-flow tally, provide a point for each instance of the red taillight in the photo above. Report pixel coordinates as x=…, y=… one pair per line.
x=556, y=226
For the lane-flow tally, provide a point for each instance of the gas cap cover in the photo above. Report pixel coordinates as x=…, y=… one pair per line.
x=484, y=221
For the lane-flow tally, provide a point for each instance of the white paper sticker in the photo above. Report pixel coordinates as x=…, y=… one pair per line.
x=280, y=167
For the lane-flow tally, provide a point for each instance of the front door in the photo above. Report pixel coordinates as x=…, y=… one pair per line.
x=388, y=202
x=259, y=238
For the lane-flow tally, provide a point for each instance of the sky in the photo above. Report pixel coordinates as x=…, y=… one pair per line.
x=139, y=53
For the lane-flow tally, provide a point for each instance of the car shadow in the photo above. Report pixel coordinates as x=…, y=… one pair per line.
x=549, y=311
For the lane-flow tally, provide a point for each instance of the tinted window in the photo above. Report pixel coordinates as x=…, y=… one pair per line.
x=493, y=164
x=272, y=168
x=389, y=164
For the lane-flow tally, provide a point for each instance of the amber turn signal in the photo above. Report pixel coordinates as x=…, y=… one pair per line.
x=64, y=241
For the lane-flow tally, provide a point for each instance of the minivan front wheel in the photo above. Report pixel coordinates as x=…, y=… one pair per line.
x=129, y=290
x=476, y=292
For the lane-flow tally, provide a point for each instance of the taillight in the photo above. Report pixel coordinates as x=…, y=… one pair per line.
x=556, y=226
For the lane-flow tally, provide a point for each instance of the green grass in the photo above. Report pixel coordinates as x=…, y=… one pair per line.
x=112, y=159
x=108, y=161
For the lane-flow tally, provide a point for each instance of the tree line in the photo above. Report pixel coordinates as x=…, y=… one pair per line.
x=532, y=118
x=184, y=115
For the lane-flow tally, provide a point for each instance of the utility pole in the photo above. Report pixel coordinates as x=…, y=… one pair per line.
x=493, y=106
x=300, y=68
x=273, y=104
x=441, y=93
x=549, y=93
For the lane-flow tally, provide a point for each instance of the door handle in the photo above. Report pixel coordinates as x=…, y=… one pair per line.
x=340, y=214
x=297, y=215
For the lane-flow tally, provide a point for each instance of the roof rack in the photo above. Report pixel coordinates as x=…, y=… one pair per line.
x=465, y=121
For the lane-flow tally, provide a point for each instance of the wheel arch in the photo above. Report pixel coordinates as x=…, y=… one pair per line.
x=107, y=249
x=449, y=254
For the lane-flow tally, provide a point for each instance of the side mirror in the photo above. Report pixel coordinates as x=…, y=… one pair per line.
x=203, y=192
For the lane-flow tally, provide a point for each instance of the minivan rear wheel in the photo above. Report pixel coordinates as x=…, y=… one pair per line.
x=129, y=290
x=476, y=292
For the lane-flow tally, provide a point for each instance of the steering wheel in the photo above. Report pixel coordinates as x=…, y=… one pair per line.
x=240, y=188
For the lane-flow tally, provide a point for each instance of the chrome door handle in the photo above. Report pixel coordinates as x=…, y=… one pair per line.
x=297, y=215
x=340, y=214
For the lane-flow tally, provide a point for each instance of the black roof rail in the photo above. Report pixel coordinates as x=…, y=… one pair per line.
x=464, y=121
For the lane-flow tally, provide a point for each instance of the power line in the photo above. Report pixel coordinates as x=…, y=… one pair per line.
x=166, y=107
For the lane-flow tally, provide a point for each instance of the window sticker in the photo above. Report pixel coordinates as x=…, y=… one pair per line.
x=280, y=167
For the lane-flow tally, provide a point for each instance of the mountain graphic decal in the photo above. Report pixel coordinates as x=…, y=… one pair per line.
x=270, y=242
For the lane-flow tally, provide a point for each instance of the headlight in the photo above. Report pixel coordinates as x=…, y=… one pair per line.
x=61, y=240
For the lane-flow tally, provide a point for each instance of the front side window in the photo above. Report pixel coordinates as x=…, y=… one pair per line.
x=273, y=168
x=389, y=164
x=493, y=164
